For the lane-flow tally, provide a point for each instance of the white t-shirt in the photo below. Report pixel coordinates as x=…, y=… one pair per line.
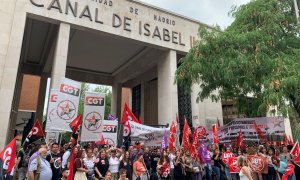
x=114, y=164
x=65, y=159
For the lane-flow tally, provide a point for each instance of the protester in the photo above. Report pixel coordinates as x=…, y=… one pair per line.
x=54, y=158
x=139, y=168
x=40, y=168
x=188, y=166
x=65, y=174
x=102, y=165
x=179, y=171
x=79, y=168
x=245, y=172
x=123, y=175
x=114, y=162
x=89, y=163
x=127, y=165
x=164, y=161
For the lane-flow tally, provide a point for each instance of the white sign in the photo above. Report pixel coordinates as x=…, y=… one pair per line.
x=149, y=135
x=94, y=105
x=272, y=127
x=51, y=112
x=66, y=105
x=108, y=129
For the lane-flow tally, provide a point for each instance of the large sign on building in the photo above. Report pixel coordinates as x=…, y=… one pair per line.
x=124, y=18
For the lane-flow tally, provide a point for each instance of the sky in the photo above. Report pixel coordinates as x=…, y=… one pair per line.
x=210, y=12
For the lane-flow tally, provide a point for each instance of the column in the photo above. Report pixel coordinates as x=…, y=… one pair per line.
x=60, y=55
x=116, y=100
x=167, y=90
x=41, y=97
x=12, y=23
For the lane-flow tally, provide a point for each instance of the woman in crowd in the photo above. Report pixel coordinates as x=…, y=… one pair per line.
x=89, y=164
x=114, y=162
x=271, y=170
x=245, y=172
x=179, y=171
x=101, y=167
x=139, y=168
x=217, y=164
x=188, y=166
x=127, y=165
x=164, y=161
x=79, y=167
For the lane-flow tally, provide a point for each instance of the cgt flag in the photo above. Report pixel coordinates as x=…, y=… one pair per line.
x=261, y=135
x=296, y=150
x=240, y=140
x=7, y=159
x=34, y=135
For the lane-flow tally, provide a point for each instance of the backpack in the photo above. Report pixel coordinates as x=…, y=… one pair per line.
x=38, y=169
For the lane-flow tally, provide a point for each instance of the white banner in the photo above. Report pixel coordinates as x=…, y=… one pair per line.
x=110, y=131
x=94, y=106
x=67, y=104
x=149, y=135
x=272, y=127
x=51, y=111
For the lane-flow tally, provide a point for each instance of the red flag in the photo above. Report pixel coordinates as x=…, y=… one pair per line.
x=233, y=165
x=186, y=135
x=296, y=150
x=172, y=137
x=36, y=133
x=177, y=125
x=215, y=134
x=195, y=145
x=74, y=125
x=7, y=158
x=101, y=142
x=71, y=166
x=240, y=139
x=288, y=171
x=260, y=133
x=218, y=123
x=128, y=115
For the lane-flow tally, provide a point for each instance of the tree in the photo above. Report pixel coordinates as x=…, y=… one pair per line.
x=257, y=56
x=84, y=88
x=108, y=95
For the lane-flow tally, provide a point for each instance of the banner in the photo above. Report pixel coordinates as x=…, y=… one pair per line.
x=233, y=165
x=94, y=106
x=66, y=105
x=109, y=130
x=257, y=163
x=149, y=135
x=226, y=156
x=51, y=111
x=272, y=128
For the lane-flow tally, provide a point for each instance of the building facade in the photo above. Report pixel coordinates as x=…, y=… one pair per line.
x=121, y=43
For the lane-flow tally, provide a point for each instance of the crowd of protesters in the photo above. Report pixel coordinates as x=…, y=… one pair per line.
x=138, y=162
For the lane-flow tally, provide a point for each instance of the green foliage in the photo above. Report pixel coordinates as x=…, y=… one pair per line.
x=108, y=95
x=257, y=56
x=84, y=88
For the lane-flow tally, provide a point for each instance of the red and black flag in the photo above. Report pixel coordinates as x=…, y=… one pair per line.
x=126, y=117
x=7, y=160
x=34, y=135
x=74, y=125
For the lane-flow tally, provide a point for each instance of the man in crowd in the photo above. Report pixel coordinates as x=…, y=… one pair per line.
x=54, y=158
x=40, y=168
